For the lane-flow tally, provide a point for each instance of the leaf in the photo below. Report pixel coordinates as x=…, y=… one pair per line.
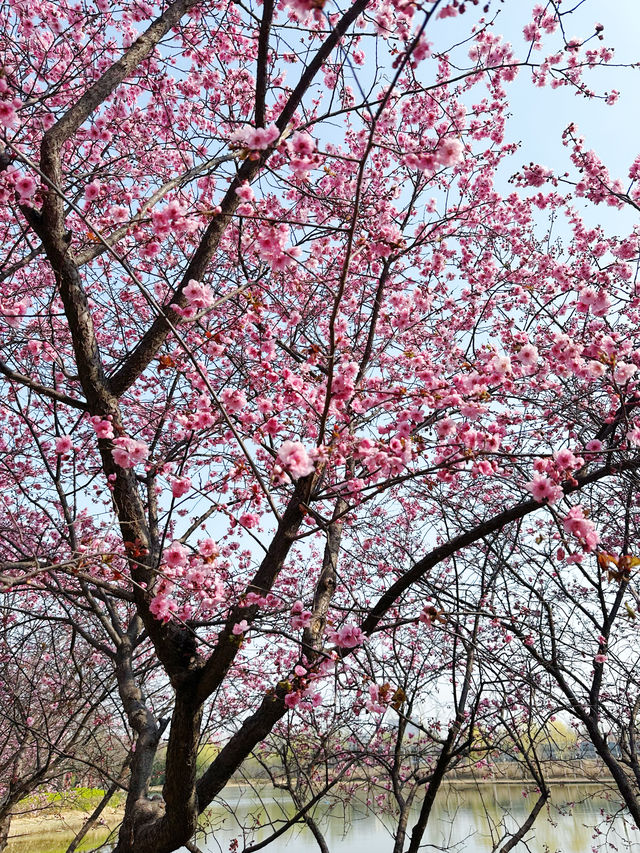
x=398, y=698
x=604, y=560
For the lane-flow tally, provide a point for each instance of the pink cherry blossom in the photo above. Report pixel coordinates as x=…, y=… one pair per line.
x=208, y=547
x=128, y=452
x=302, y=144
x=25, y=187
x=102, y=426
x=234, y=399
x=295, y=459
x=92, y=190
x=449, y=152
x=633, y=436
x=163, y=607
x=445, y=427
x=180, y=486
x=64, y=445
x=300, y=618
x=175, y=555
x=448, y=11
x=500, y=364
x=292, y=700
x=8, y=115
x=623, y=372
x=256, y=139
x=198, y=295
x=535, y=175
x=594, y=446
x=601, y=306
x=348, y=636
x=582, y=528
x=566, y=461
x=374, y=703
x=544, y=490
x=528, y=355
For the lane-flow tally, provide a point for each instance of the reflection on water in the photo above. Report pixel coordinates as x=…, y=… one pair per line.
x=579, y=820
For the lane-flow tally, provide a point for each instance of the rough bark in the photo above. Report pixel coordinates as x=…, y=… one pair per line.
x=147, y=733
x=401, y=829
x=326, y=584
x=5, y=826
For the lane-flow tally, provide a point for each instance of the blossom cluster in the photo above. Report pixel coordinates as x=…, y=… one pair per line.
x=584, y=530
x=255, y=138
x=128, y=452
x=449, y=151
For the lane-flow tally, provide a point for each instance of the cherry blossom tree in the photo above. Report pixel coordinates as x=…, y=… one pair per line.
x=55, y=712
x=278, y=343
x=575, y=623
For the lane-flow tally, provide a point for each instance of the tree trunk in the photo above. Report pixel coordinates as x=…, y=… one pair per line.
x=401, y=830
x=5, y=826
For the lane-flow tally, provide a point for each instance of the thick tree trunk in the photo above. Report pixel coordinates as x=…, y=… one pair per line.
x=326, y=584
x=138, y=807
x=5, y=826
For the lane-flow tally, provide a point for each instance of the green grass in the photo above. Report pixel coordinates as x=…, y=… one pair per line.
x=80, y=799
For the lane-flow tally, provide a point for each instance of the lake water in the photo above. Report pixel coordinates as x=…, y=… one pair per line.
x=465, y=821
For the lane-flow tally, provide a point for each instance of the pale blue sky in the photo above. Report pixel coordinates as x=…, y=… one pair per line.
x=539, y=115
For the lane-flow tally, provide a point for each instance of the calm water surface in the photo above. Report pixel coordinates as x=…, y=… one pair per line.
x=465, y=821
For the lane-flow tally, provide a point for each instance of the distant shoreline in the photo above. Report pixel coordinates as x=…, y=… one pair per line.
x=556, y=782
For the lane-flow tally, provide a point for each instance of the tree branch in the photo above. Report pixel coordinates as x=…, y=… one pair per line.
x=157, y=333
x=485, y=528
x=51, y=393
